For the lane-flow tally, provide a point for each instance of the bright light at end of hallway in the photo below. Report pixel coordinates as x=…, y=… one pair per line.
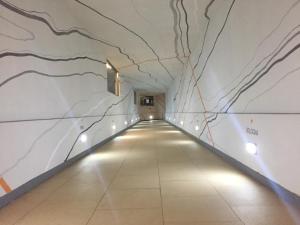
x=125, y=122
x=114, y=127
x=83, y=138
x=151, y=117
x=251, y=148
x=197, y=127
x=181, y=123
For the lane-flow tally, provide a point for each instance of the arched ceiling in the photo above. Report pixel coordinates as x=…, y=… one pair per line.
x=148, y=41
x=151, y=39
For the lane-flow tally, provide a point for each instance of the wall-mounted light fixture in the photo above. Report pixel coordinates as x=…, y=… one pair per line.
x=181, y=122
x=113, y=127
x=83, y=138
x=196, y=127
x=151, y=117
x=131, y=120
x=108, y=66
x=125, y=122
x=251, y=148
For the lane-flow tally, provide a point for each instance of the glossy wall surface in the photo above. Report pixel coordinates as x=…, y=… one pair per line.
x=241, y=85
x=53, y=89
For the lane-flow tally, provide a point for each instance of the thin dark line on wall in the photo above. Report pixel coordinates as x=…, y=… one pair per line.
x=30, y=149
x=271, y=87
x=255, y=79
x=205, y=32
x=292, y=7
x=273, y=54
x=180, y=29
x=139, y=81
x=31, y=34
x=215, y=43
x=58, y=32
x=148, y=61
x=249, y=84
x=130, y=31
x=57, y=118
x=238, y=113
x=177, y=91
x=29, y=54
x=200, y=54
x=176, y=38
x=96, y=122
x=187, y=27
x=28, y=72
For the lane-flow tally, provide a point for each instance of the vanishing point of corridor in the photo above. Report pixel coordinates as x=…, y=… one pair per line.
x=152, y=174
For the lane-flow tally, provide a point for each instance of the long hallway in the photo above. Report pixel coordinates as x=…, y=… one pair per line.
x=152, y=174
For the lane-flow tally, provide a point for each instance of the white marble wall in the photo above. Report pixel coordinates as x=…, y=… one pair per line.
x=245, y=74
x=52, y=89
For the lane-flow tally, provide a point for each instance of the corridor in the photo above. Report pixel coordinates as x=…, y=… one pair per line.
x=152, y=174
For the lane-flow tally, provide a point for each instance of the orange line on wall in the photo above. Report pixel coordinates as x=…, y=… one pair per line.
x=202, y=102
x=4, y=185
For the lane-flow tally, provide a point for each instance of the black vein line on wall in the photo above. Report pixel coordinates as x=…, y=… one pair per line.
x=201, y=52
x=206, y=30
x=30, y=149
x=129, y=30
x=255, y=79
x=271, y=87
x=215, y=43
x=292, y=7
x=66, y=32
x=180, y=29
x=272, y=55
x=187, y=27
x=238, y=113
x=96, y=122
x=176, y=38
x=139, y=81
x=31, y=72
x=29, y=54
x=252, y=82
x=58, y=118
x=31, y=34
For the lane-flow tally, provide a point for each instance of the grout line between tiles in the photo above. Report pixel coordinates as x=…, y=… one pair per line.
x=108, y=186
x=44, y=200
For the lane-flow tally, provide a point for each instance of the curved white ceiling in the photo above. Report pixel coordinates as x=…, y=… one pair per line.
x=151, y=39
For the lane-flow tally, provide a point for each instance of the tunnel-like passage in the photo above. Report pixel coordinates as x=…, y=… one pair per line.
x=152, y=174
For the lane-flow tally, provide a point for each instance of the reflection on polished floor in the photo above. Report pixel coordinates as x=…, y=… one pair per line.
x=151, y=175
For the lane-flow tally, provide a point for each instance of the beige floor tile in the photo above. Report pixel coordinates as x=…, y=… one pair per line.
x=267, y=215
x=128, y=182
x=200, y=209
x=187, y=188
x=181, y=174
x=122, y=181
x=127, y=217
x=203, y=223
x=49, y=215
x=131, y=199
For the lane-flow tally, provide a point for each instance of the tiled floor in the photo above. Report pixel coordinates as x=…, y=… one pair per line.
x=151, y=175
